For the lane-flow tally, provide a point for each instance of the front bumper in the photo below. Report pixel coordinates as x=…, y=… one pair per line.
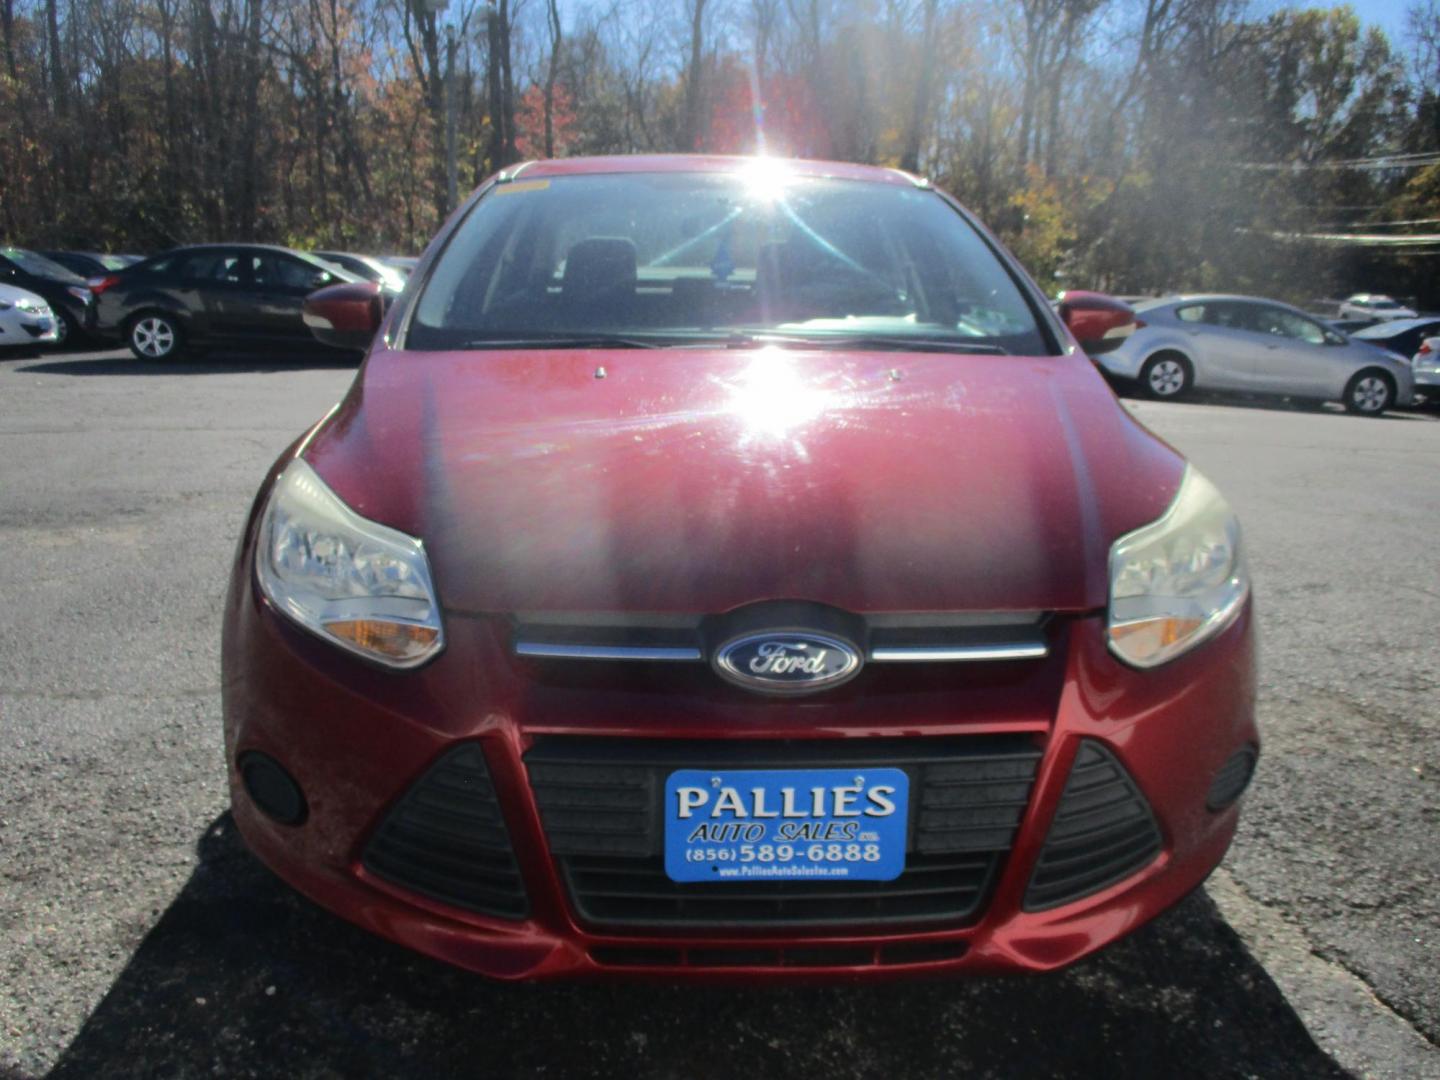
x=356, y=739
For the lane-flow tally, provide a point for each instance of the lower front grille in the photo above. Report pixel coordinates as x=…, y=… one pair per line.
x=446, y=839
x=600, y=801
x=1103, y=831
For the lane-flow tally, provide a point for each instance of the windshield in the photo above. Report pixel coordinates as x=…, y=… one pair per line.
x=1386, y=305
x=689, y=258
x=38, y=265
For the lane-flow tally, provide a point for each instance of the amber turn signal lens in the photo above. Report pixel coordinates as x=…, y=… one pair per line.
x=1150, y=636
x=394, y=641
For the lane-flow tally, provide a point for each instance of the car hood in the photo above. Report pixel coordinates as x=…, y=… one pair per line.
x=697, y=481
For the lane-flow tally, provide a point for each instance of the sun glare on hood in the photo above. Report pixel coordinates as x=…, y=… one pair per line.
x=771, y=397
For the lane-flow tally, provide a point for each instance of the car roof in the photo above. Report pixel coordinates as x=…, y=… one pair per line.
x=1200, y=298
x=707, y=163
x=1395, y=326
x=238, y=245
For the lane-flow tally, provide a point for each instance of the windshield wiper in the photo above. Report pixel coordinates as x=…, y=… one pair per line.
x=887, y=342
x=563, y=341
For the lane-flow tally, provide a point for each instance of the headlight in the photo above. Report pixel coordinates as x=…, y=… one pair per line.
x=359, y=584
x=35, y=307
x=1179, y=580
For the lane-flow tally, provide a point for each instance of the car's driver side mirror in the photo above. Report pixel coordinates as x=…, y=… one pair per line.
x=345, y=316
x=1098, y=322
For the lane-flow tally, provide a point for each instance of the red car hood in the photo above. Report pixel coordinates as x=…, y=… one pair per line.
x=698, y=480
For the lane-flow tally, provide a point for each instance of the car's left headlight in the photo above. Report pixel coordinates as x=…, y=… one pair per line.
x=33, y=307
x=1178, y=581
x=359, y=584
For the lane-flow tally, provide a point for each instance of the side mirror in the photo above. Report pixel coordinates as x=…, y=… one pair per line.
x=345, y=316
x=1333, y=337
x=1098, y=322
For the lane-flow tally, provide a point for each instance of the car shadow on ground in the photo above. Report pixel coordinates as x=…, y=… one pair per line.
x=242, y=977
x=215, y=363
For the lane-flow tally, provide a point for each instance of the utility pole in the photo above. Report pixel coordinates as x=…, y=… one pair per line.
x=451, y=197
x=433, y=8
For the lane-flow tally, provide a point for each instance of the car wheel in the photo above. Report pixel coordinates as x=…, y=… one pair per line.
x=1369, y=393
x=153, y=336
x=65, y=331
x=1166, y=376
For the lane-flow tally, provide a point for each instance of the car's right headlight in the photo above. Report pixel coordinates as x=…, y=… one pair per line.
x=1178, y=581
x=359, y=584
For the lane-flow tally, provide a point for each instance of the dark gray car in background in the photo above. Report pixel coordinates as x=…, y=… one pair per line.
x=1256, y=346
x=237, y=295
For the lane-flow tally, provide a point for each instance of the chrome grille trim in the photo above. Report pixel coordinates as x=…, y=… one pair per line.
x=908, y=654
x=555, y=650
x=882, y=638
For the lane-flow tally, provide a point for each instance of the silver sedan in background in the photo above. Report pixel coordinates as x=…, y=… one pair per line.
x=1241, y=343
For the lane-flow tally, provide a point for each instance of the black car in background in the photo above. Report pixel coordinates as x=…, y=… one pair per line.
x=64, y=290
x=89, y=264
x=1400, y=336
x=240, y=295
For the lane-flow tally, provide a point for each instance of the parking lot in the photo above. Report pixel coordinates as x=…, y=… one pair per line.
x=137, y=936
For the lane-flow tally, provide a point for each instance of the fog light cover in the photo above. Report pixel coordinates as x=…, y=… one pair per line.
x=1178, y=581
x=359, y=584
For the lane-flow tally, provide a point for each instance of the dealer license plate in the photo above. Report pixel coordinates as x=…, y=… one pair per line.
x=763, y=824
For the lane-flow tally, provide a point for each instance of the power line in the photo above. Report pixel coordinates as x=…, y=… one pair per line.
x=1377, y=224
x=1378, y=163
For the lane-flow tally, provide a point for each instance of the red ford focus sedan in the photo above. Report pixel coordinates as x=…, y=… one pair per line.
x=731, y=567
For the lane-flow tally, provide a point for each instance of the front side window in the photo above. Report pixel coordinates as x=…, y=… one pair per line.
x=279, y=272
x=681, y=258
x=1282, y=323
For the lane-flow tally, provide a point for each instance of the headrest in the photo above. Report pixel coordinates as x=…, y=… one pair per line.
x=599, y=265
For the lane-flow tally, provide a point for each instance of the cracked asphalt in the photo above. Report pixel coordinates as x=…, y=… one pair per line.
x=139, y=938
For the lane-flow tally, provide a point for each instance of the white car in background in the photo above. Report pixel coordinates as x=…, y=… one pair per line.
x=25, y=320
x=1374, y=306
x=1255, y=346
x=1426, y=366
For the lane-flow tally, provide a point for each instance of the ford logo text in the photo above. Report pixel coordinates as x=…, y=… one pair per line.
x=787, y=661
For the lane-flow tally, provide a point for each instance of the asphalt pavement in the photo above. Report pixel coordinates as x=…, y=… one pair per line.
x=139, y=938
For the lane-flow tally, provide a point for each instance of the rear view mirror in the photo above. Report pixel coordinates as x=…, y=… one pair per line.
x=1098, y=322
x=345, y=316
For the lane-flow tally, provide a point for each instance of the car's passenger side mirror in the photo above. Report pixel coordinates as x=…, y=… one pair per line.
x=345, y=316
x=1098, y=322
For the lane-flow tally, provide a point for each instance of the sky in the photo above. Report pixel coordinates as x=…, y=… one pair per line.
x=1389, y=15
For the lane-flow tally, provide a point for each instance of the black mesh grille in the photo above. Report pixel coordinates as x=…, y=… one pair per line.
x=446, y=839
x=1103, y=831
x=600, y=800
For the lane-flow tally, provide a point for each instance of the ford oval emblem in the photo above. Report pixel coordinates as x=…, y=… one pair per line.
x=787, y=661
